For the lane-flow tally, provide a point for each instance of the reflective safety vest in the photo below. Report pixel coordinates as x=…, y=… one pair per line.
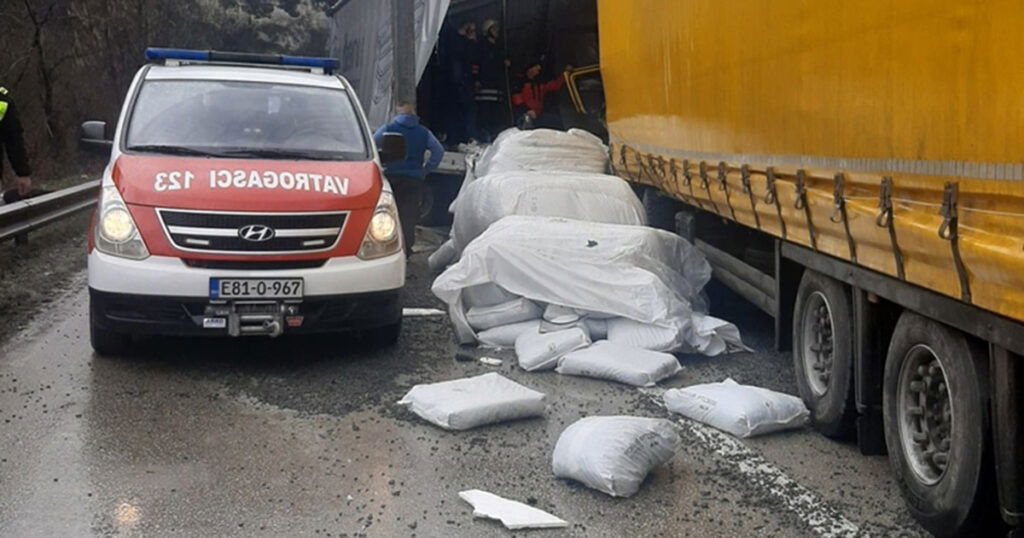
x=3, y=104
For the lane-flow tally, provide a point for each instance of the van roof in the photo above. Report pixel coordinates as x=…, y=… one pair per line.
x=272, y=75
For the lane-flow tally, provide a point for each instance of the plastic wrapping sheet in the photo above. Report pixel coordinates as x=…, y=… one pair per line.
x=582, y=196
x=647, y=275
x=541, y=150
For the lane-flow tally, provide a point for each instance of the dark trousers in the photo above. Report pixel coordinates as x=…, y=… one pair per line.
x=408, y=193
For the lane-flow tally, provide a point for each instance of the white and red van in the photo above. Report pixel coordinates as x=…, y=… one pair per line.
x=243, y=196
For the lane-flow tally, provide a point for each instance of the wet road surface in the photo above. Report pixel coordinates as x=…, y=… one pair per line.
x=298, y=437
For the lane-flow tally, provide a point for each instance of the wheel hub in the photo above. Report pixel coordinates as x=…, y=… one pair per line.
x=818, y=343
x=926, y=414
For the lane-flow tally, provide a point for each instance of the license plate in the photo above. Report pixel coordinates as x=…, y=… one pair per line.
x=255, y=288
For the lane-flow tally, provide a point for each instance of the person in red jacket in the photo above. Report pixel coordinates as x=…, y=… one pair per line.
x=530, y=100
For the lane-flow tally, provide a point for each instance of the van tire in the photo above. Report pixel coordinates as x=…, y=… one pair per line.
x=961, y=500
x=108, y=343
x=822, y=317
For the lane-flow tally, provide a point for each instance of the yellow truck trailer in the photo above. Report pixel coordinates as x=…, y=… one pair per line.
x=855, y=169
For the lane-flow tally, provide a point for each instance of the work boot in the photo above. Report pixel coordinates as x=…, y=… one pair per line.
x=10, y=196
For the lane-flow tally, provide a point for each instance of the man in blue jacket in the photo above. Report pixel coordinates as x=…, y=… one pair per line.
x=407, y=176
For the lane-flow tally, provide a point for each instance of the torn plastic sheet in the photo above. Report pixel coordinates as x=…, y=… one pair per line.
x=649, y=276
x=513, y=514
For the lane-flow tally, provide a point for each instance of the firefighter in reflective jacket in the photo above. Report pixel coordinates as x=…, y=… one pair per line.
x=12, y=142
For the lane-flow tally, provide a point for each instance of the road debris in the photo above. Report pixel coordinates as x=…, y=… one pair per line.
x=462, y=404
x=613, y=454
x=422, y=312
x=513, y=514
x=742, y=410
x=616, y=362
x=491, y=361
x=651, y=277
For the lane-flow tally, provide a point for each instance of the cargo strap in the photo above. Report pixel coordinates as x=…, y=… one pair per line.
x=673, y=170
x=801, y=203
x=657, y=165
x=745, y=181
x=771, y=197
x=723, y=186
x=622, y=159
x=839, y=214
x=688, y=181
x=949, y=230
x=704, y=185
x=885, y=220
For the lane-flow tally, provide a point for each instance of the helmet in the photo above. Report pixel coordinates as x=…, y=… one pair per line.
x=485, y=28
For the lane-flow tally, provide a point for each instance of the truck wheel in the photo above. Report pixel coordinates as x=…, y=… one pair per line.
x=660, y=210
x=823, y=353
x=108, y=343
x=934, y=401
x=385, y=336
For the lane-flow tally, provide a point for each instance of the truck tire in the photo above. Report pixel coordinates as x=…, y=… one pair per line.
x=823, y=353
x=108, y=343
x=660, y=210
x=382, y=337
x=934, y=401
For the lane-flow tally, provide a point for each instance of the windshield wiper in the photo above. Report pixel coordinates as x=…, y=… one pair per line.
x=175, y=150
x=278, y=154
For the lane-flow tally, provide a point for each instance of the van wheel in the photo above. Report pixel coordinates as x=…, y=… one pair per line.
x=108, y=343
x=823, y=353
x=385, y=336
x=934, y=401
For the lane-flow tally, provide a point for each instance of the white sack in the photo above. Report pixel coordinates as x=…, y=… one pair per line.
x=543, y=150
x=462, y=404
x=616, y=362
x=560, y=318
x=598, y=328
x=513, y=514
x=742, y=410
x=505, y=335
x=541, y=351
x=627, y=332
x=486, y=295
x=613, y=454
x=650, y=276
x=573, y=195
x=485, y=317
x=442, y=257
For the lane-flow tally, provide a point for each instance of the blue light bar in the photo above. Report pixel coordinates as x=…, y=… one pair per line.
x=154, y=54
x=329, y=65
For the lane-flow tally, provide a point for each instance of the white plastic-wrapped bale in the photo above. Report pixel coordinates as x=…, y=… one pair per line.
x=504, y=336
x=486, y=317
x=581, y=196
x=544, y=150
x=742, y=410
x=613, y=454
x=616, y=362
x=650, y=276
x=461, y=404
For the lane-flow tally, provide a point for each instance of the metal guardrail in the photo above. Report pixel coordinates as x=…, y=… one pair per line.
x=19, y=218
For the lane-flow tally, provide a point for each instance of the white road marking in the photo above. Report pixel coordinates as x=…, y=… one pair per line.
x=422, y=312
x=821, y=518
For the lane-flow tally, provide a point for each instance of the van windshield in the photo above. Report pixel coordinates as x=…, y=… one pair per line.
x=245, y=120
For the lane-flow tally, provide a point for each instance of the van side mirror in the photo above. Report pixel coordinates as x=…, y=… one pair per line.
x=392, y=148
x=93, y=137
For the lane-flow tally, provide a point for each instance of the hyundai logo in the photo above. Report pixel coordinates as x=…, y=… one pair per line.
x=256, y=233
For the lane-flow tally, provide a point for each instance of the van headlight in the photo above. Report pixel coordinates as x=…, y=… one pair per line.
x=116, y=233
x=383, y=236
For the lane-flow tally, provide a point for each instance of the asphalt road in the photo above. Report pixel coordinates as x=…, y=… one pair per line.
x=303, y=438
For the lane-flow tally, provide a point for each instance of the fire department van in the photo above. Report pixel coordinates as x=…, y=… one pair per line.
x=243, y=196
